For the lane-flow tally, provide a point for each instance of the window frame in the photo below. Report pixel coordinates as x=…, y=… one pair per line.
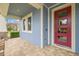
x=26, y=23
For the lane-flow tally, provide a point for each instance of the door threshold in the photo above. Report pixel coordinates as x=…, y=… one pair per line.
x=63, y=47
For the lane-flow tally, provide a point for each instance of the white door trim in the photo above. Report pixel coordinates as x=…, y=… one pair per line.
x=73, y=25
x=41, y=26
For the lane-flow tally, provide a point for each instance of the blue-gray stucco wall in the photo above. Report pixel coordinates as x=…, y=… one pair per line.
x=77, y=27
x=35, y=36
x=45, y=26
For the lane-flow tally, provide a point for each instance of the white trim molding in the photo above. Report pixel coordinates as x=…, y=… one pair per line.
x=73, y=28
x=54, y=5
x=26, y=18
x=36, y=5
x=73, y=25
x=48, y=26
x=41, y=26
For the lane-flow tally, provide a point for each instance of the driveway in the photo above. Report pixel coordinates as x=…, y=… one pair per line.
x=20, y=47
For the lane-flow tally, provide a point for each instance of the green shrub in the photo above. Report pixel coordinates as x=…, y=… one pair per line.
x=9, y=28
x=14, y=34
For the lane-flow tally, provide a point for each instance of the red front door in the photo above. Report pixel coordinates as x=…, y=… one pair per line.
x=62, y=27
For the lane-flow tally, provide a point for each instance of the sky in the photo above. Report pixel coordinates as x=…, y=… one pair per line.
x=10, y=20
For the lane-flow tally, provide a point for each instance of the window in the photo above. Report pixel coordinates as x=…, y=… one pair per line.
x=63, y=21
x=24, y=24
x=27, y=23
x=63, y=13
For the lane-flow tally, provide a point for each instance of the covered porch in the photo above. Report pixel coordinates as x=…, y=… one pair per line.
x=21, y=47
x=37, y=31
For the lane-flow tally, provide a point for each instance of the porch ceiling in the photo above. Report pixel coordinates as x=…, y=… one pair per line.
x=22, y=9
x=19, y=9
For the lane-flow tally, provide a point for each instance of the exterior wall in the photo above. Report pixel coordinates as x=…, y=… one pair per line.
x=35, y=36
x=77, y=28
x=45, y=26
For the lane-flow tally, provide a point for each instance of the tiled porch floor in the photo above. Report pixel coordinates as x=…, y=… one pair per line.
x=19, y=47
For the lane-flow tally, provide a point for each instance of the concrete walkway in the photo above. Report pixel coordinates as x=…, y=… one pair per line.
x=20, y=47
